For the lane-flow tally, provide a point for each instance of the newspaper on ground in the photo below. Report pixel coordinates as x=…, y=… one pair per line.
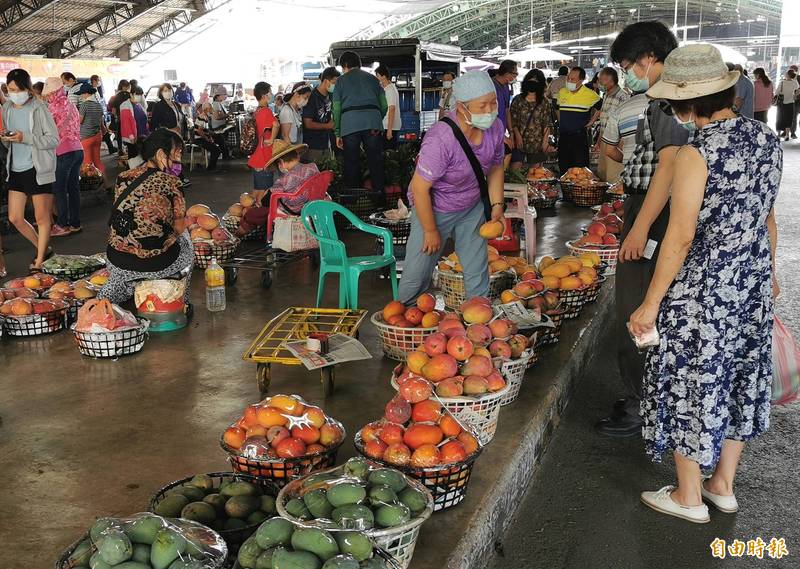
x=522, y=316
x=341, y=348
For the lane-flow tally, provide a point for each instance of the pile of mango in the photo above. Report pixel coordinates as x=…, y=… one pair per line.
x=144, y=542
x=278, y=543
x=235, y=504
x=357, y=496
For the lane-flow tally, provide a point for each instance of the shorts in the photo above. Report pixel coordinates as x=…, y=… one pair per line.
x=25, y=182
x=263, y=179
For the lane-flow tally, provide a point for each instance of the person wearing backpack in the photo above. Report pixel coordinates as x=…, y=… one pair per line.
x=266, y=131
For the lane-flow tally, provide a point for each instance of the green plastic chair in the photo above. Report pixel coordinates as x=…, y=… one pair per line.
x=318, y=220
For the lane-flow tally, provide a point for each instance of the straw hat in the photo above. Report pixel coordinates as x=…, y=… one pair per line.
x=51, y=84
x=281, y=148
x=693, y=71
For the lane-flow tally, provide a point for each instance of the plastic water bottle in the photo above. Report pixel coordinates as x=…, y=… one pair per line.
x=215, y=287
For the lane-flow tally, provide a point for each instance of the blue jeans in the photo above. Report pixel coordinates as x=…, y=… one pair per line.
x=67, y=188
x=372, y=140
x=263, y=179
x=462, y=226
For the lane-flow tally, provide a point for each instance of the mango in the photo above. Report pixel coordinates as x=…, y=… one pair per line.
x=257, y=517
x=317, y=503
x=381, y=494
x=199, y=512
x=194, y=494
x=341, y=562
x=81, y=554
x=559, y=270
x=240, y=488
x=249, y=553
x=217, y=501
x=392, y=478
x=297, y=508
x=139, y=565
x=185, y=564
x=141, y=553
x=374, y=563
x=202, y=481
x=276, y=531
x=392, y=515
x=172, y=505
x=144, y=529
x=101, y=525
x=264, y=560
x=96, y=562
x=285, y=559
x=357, y=467
x=415, y=500
x=242, y=506
x=354, y=516
x=167, y=546
x=346, y=493
x=317, y=541
x=268, y=504
x=356, y=544
x=114, y=546
x=234, y=523
x=317, y=478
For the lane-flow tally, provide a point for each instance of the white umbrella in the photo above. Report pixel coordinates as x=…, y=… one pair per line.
x=729, y=55
x=472, y=64
x=539, y=54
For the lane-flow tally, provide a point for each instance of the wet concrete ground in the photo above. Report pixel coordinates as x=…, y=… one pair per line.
x=582, y=509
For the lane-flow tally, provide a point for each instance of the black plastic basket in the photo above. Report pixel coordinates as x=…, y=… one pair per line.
x=549, y=336
x=222, y=251
x=91, y=183
x=447, y=483
x=593, y=290
x=73, y=274
x=72, y=310
x=362, y=203
x=233, y=537
x=283, y=470
x=36, y=324
x=400, y=229
x=536, y=193
x=231, y=223
x=112, y=344
x=584, y=195
x=572, y=302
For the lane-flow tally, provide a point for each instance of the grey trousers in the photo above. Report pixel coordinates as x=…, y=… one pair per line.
x=462, y=227
x=632, y=281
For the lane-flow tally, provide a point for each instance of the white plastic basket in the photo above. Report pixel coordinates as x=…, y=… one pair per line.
x=513, y=372
x=112, y=344
x=452, y=286
x=607, y=254
x=396, y=342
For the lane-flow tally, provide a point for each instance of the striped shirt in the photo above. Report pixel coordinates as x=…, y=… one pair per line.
x=91, y=118
x=622, y=123
x=611, y=101
x=575, y=108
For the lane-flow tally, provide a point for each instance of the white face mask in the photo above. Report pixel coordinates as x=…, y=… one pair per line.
x=447, y=84
x=572, y=86
x=167, y=95
x=19, y=98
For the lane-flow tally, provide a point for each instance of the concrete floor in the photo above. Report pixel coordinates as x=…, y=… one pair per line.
x=83, y=438
x=582, y=509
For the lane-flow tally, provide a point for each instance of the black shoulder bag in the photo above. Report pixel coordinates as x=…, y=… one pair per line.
x=476, y=167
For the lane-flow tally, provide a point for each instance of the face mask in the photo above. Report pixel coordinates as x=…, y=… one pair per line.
x=283, y=170
x=302, y=103
x=688, y=125
x=483, y=121
x=330, y=87
x=572, y=87
x=634, y=83
x=447, y=84
x=167, y=95
x=19, y=98
x=175, y=169
x=66, y=89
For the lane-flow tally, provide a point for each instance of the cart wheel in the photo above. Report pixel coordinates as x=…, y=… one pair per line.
x=314, y=258
x=264, y=376
x=327, y=375
x=231, y=274
x=266, y=279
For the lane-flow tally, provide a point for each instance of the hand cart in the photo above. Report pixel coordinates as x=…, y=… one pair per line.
x=297, y=323
x=263, y=258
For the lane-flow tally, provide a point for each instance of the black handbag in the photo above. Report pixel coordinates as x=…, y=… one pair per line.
x=483, y=184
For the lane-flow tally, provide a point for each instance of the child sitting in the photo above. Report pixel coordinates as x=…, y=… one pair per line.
x=292, y=175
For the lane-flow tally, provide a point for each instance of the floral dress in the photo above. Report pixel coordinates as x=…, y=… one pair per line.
x=710, y=377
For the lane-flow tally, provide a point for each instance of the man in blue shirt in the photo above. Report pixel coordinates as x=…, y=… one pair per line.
x=503, y=79
x=745, y=91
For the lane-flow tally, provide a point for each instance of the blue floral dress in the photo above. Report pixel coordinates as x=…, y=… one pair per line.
x=710, y=377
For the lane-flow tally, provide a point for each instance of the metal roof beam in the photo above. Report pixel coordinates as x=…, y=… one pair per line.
x=21, y=10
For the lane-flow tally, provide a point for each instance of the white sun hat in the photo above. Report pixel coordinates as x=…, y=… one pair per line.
x=693, y=71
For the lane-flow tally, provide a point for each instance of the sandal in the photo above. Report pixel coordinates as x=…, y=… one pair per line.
x=32, y=268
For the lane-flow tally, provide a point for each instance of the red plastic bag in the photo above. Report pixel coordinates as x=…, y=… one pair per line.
x=786, y=361
x=96, y=311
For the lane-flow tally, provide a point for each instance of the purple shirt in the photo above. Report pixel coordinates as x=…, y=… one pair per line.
x=442, y=162
x=503, y=101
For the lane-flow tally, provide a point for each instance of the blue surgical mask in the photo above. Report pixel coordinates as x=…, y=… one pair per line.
x=634, y=83
x=20, y=98
x=283, y=170
x=572, y=86
x=483, y=121
x=447, y=84
x=688, y=125
x=330, y=87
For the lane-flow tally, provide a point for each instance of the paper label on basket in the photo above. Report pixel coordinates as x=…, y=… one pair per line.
x=522, y=316
x=650, y=249
x=439, y=303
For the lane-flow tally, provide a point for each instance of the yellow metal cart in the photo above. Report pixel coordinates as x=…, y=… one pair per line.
x=293, y=324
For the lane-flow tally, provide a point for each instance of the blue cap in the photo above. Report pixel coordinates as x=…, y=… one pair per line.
x=472, y=85
x=86, y=88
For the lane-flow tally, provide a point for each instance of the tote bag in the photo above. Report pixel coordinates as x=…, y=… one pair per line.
x=291, y=235
x=786, y=361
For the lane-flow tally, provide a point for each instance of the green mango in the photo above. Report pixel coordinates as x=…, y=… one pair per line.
x=248, y=553
x=81, y=554
x=199, y=512
x=392, y=478
x=166, y=548
x=317, y=503
x=354, y=516
x=96, y=562
x=171, y=505
x=194, y=494
x=195, y=549
x=241, y=506
x=356, y=544
x=101, y=525
x=346, y=493
x=415, y=500
x=268, y=504
x=318, y=478
x=264, y=560
x=357, y=467
x=217, y=501
x=284, y=559
x=317, y=541
x=392, y=515
x=202, y=481
x=234, y=523
x=114, y=546
x=186, y=564
x=341, y=562
x=134, y=565
x=374, y=563
x=380, y=494
x=144, y=528
x=297, y=508
x=276, y=531
x=240, y=488
x=141, y=553
x=257, y=517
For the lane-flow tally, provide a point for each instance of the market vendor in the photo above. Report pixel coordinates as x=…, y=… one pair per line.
x=147, y=239
x=446, y=194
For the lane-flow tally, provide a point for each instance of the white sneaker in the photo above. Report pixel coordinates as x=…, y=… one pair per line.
x=726, y=504
x=661, y=501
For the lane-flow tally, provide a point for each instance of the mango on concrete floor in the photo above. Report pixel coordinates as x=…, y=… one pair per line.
x=276, y=531
x=317, y=541
x=166, y=548
x=356, y=544
x=285, y=559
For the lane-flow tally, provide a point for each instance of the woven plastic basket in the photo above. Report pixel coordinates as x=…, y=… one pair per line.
x=36, y=324
x=452, y=286
x=572, y=302
x=361, y=202
x=551, y=335
x=91, y=183
x=593, y=290
x=74, y=274
x=513, y=372
x=398, y=541
x=112, y=344
x=584, y=195
x=231, y=223
x=543, y=194
x=607, y=253
x=396, y=342
x=205, y=250
x=400, y=229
